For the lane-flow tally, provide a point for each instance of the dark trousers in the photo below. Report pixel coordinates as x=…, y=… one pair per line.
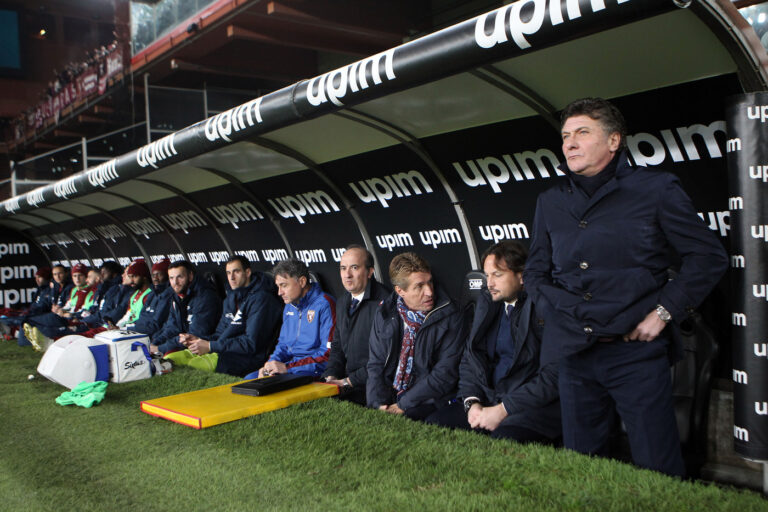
x=634, y=378
x=453, y=416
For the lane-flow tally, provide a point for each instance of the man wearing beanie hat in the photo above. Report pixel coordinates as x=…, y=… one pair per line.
x=156, y=309
x=138, y=273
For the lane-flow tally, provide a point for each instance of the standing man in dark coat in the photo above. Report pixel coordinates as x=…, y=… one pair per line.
x=354, y=317
x=603, y=241
x=416, y=343
x=507, y=379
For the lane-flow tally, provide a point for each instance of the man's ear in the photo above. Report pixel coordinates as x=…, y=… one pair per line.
x=303, y=281
x=614, y=141
x=370, y=272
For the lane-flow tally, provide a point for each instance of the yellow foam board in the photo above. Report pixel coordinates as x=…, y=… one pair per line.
x=213, y=406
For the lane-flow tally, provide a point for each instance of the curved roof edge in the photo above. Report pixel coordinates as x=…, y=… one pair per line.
x=502, y=33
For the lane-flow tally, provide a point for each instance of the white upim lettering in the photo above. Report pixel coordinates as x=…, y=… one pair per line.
x=251, y=254
x=391, y=241
x=732, y=145
x=62, y=239
x=102, y=173
x=84, y=236
x=299, y=206
x=110, y=232
x=495, y=171
x=759, y=231
x=761, y=349
x=156, y=151
x=35, y=197
x=197, y=257
x=222, y=125
x=335, y=85
x=738, y=261
x=184, y=221
x=13, y=249
x=310, y=256
x=761, y=408
x=337, y=253
x=235, y=213
x=735, y=203
x=12, y=296
x=740, y=377
x=758, y=112
x=741, y=434
x=17, y=272
x=218, y=256
x=759, y=172
x=498, y=232
x=718, y=221
x=758, y=290
x=384, y=189
x=273, y=255
x=11, y=205
x=65, y=188
x=647, y=149
x=437, y=237
x=739, y=319
x=144, y=227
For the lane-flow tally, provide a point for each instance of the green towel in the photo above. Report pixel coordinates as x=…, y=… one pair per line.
x=205, y=362
x=85, y=394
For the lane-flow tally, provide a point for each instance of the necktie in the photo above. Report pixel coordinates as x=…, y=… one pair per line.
x=508, y=309
x=353, y=305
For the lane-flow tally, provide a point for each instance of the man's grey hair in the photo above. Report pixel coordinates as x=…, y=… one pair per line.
x=291, y=268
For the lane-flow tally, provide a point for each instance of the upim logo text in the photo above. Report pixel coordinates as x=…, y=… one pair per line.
x=301, y=205
x=492, y=171
x=382, y=189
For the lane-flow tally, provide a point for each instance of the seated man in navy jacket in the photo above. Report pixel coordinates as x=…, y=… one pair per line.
x=507, y=380
x=309, y=318
x=416, y=343
x=248, y=324
x=195, y=309
x=349, y=349
x=155, y=311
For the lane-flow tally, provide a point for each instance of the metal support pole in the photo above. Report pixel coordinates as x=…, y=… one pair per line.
x=146, y=106
x=205, y=99
x=13, y=178
x=84, y=145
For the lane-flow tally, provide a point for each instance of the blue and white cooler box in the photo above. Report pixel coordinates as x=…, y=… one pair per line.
x=75, y=359
x=129, y=357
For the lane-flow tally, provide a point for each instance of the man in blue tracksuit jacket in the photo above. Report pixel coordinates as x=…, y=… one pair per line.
x=603, y=241
x=107, y=295
x=309, y=319
x=195, y=308
x=248, y=325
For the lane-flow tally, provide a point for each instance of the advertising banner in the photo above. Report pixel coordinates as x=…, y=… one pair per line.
x=747, y=148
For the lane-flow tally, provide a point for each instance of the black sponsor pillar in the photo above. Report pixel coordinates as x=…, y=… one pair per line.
x=747, y=155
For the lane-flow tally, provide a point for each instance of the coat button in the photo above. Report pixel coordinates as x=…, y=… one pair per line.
x=587, y=330
x=583, y=224
x=587, y=296
x=583, y=265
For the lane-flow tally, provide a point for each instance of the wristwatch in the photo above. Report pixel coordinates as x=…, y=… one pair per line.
x=469, y=403
x=663, y=313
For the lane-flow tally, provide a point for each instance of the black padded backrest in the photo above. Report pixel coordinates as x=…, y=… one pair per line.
x=471, y=287
x=691, y=377
x=217, y=282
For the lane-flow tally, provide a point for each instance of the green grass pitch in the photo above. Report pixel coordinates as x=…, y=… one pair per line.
x=324, y=455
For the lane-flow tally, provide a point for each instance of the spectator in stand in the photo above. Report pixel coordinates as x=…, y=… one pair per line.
x=309, y=318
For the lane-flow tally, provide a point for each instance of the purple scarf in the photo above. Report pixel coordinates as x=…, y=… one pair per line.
x=412, y=321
